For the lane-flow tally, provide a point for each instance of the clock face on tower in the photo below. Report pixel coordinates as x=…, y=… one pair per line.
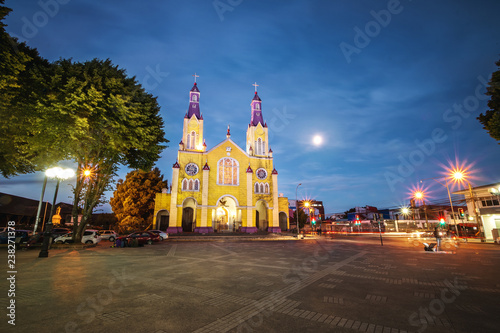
x=191, y=169
x=261, y=174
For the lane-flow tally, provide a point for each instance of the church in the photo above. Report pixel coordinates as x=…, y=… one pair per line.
x=225, y=188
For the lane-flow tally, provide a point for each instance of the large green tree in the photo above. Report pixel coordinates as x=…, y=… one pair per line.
x=23, y=78
x=491, y=118
x=106, y=119
x=133, y=200
x=91, y=113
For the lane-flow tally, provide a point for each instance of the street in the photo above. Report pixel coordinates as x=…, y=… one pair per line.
x=320, y=284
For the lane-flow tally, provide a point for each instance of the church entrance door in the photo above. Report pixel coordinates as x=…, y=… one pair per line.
x=261, y=221
x=283, y=224
x=187, y=219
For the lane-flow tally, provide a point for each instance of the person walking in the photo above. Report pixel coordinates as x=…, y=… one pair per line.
x=437, y=234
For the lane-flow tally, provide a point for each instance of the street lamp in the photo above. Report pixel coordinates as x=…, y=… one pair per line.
x=460, y=176
x=297, y=210
x=307, y=204
x=419, y=195
x=449, y=196
x=59, y=174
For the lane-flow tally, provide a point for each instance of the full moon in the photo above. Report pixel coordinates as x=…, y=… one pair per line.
x=317, y=140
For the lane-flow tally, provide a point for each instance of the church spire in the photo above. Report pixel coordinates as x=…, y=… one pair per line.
x=257, y=132
x=194, y=100
x=192, y=133
x=256, y=105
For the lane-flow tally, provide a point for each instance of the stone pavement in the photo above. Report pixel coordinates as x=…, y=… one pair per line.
x=321, y=284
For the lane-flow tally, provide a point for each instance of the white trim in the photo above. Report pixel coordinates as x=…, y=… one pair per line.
x=228, y=195
x=223, y=142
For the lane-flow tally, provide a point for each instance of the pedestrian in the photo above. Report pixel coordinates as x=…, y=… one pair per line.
x=437, y=234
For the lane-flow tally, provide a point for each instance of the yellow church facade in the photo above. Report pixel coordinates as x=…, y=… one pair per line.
x=224, y=188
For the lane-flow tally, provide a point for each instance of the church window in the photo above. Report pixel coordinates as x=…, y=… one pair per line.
x=256, y=187
x=191, y=140
x=266, y=188
x=227, y=171
x=257, y=106
x=194, y=98
x=261, y=190
x=190, y=184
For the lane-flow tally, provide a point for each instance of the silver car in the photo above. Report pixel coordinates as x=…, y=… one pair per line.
x=163, y=235
x=110, y=235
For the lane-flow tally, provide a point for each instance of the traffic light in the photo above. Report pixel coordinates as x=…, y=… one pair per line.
x=461, y=213
x=441, y=221
x=313, y=221
x=357, y=217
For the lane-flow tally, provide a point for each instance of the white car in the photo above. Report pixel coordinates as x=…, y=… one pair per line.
x=89, y=237
x=163, y=235
x=108, y=234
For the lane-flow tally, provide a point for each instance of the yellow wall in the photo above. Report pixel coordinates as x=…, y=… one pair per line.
x=215, y=192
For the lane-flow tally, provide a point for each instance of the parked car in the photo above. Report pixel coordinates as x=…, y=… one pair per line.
x=35, y=240
x=56, y=232
x=163, y=235
x=89, y=236
x=110, y=235
x=139, y=237
x=21, y=236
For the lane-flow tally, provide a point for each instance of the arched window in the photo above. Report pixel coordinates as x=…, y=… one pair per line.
x=184, y=184
x=196, y=185
x=261, y=190
x=195, y=98
x=191, y=140
x=227, y=171
x=266, y=188
x=259, y=147
x=256, y=187
x=190, y=185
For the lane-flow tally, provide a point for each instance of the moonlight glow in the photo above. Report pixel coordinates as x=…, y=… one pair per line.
x=317, y=140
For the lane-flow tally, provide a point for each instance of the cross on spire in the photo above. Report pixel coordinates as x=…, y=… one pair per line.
x=195, y=76
x=255, y=85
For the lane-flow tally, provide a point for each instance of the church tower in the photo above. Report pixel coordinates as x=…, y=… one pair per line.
x=257, y=132
x=192, y=133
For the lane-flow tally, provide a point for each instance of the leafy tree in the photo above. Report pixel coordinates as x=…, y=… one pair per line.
x=23, y=74
x=91, y=113
x=302, y=217
x=133, y=201
x=491, y=118
x=106, y=119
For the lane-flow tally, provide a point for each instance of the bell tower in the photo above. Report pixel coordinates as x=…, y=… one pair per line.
x=257, y=132
x=192, y=133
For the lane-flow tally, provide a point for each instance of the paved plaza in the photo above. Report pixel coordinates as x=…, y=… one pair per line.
x=340, y=284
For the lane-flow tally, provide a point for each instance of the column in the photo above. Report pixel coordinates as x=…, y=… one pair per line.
x=174, y=226
x=275, y=226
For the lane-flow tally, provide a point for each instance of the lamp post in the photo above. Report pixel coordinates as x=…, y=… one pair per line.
x=59, y=174
x=460, y=176
x=419, y=195
x=40, y=204
x=297, y=210
x=449, y=197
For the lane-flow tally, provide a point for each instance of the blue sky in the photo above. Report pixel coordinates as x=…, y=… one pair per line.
x=393, y=87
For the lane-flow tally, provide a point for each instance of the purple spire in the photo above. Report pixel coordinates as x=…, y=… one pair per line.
x=256, y=111
x=194, y=102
